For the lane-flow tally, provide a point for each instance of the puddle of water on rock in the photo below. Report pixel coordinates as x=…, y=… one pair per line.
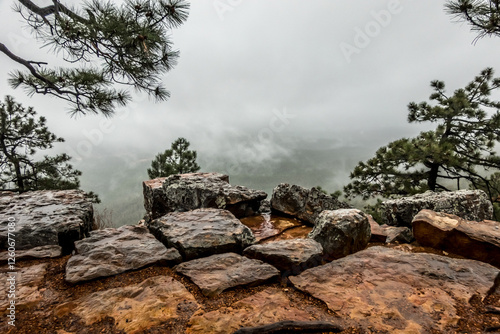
x=267, y=227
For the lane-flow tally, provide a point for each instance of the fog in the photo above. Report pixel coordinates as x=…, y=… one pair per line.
x=267, y=91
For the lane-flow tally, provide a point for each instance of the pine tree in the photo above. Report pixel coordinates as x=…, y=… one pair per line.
x=103, y=44
x=176, y=160
x=461, y=148
x=21, y=136
x=482, y=15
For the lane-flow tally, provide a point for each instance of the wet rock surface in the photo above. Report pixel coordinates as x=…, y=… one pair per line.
x=305, y=204
x=45, y=218
x=467, y=204
x=217, y=273
x=389, y=290
x=112, y=251
x=267, y=226
x=134, y=308
x=341, y=232
x=290, y=256
x=202, y=232
x=27, y=287
x=49, y=251
x=268, y=306
x=471, y=239
x=184, y=192
x=389, y=234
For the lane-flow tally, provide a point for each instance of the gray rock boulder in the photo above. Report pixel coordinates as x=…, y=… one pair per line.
x=341, y=232
x=185, y=192
x=305, y=204
x=467, y=204
x=202, y=232
x=471, y=239
x=217, y=273
x=289, y=256
x=112, y=251
x=43, y=218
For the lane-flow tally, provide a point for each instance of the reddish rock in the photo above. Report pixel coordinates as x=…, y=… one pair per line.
x=266, y=307
x=386, y=290
x=389, y=234
x=135, y=308
x=471, y=239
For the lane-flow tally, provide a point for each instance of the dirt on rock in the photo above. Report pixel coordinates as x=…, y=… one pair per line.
x=478, y=315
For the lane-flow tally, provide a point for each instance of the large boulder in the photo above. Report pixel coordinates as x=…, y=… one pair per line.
x=341, y=232
x=202, y=232
x=471, y=239
x=384, y=290
x=290, y=256
x=184, y=192
x=217, y=273
x=305, y=204
x=113, y=251
x=43, y=218
x=467, y=204
x=134, y=308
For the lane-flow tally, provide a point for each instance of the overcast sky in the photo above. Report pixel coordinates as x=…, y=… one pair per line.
x=257, y=79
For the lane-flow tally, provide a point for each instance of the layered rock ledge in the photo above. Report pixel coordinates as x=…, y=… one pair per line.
x=467, y=204
x=45, y=218
x=184, y=192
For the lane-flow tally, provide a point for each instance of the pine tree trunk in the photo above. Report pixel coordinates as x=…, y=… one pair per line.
x=433, y=175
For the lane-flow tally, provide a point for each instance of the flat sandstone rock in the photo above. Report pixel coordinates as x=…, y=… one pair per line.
x=112, y=251
x=265, y=307
x=389, y=290
x=217, y=273
x=135, y=308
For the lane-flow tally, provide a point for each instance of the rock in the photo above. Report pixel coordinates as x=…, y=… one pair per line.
x=378, y=233
x=27, y=285
x=341, y=232
x=45, y=218
x=217, y=273
x=185, y=192
x=265, y=307
x=49, y=251
x=467, y=204
x=112, y=251
x=473, y=240
x=289, y=256
x=135, y=308
x=305, y=204
x=389, y=234
x=386, y=290
x=265, y=207
x=202, y=232
x=155, y=201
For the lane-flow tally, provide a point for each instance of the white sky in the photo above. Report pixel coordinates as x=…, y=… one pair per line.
x=241, y=64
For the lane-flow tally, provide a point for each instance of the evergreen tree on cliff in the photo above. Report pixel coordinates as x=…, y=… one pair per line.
x=483, y=16
x=461, y=148
x=21, y=136
x=103, y=44
x=176, y=160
